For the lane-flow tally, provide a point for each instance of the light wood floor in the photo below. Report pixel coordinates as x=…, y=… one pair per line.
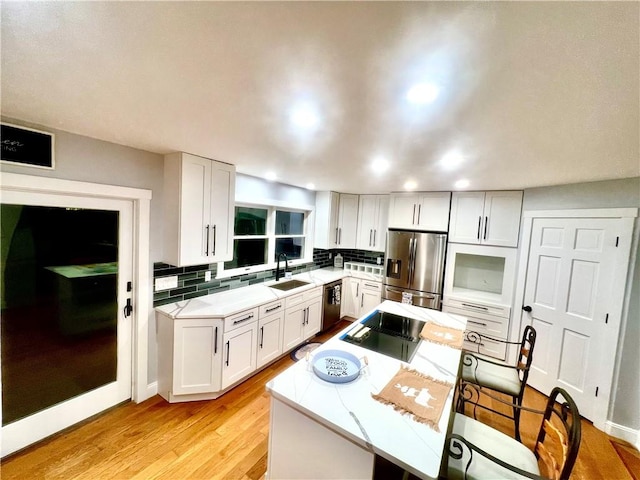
x=225, y=438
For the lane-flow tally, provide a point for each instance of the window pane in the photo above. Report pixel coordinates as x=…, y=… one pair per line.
x=250, y=221
x=289, y=223
x=292, y=247
x=248, y=252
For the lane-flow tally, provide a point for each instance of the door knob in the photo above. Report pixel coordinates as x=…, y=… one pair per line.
x=527, y=308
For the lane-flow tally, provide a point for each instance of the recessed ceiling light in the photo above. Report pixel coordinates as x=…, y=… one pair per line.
x=271, y=176
x=311, y=186
x=305, y=116
x=410, y=185
x=423, y=93
x=464, y=183
x=380, y=165
x=452, y=160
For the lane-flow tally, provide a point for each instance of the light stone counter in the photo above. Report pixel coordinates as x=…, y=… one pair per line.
x=341, y=426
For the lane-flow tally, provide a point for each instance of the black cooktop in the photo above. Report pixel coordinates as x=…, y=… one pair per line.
x=392, y=335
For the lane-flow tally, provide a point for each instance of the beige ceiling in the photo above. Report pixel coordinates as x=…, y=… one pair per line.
x=531, y=93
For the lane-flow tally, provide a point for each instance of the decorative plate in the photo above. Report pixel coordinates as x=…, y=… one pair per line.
x=336, y=366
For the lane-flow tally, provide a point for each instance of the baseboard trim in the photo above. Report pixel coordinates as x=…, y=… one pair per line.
x=624, y=433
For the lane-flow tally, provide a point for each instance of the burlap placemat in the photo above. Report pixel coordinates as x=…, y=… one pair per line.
x=412, y=392
x=434, y=332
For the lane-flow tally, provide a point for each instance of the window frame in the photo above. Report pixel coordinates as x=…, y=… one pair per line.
x=271, y=237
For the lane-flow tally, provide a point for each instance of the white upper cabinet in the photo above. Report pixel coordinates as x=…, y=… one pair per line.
x=336, y=220
x=373, y=213
x=199, y=199
x=487, y=218
x=426, y=211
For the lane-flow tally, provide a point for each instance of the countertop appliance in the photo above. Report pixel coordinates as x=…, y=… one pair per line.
x=414, y=270
x=331, y=304
x=392, y=335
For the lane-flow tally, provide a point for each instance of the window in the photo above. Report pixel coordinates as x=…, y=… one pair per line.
x=261, y=234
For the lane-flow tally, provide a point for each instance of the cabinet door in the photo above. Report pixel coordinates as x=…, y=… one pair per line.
x=269, y=338
x=502, y=212
x=239, y=353
x=433, y=211
x=369, y=300
x=197, y=356
x=467, y=209
x=380, y=226
x=314, y=318
x=367, y=221
x=347, y=221
x=294, y=321
x=195, y=210
x=222, y=195
x=403, y=210
x=347, y=297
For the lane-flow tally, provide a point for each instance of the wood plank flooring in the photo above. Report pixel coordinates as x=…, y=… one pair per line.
x=225, y=438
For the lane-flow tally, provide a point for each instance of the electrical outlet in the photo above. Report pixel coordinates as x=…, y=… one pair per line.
x=207, y=276
x=166, y=283
x=330, y=255
x=379, y=260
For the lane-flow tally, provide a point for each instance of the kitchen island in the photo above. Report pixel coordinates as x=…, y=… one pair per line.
x=322, y=430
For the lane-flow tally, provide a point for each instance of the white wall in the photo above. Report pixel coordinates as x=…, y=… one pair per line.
x=90, y=160
x=608, y=194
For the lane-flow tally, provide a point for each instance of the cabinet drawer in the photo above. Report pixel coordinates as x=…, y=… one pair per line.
x=497, y=327
x=371, y=286
x=487, y=347
x=239, y=319
x=271, y=308
x=302, y=297
x=478, y=308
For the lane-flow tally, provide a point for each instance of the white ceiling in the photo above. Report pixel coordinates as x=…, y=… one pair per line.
x=531, y=93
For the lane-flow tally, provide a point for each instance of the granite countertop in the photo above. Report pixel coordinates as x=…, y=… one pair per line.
x=233, y=301
x=379, y=428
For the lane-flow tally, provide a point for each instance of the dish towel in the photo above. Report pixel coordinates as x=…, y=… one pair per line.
x=434, y=332
x=417, y=394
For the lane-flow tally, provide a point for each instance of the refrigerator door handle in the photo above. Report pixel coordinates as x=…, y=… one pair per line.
x=412, y=258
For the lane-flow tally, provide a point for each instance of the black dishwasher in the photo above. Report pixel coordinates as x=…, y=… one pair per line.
x=331, y=304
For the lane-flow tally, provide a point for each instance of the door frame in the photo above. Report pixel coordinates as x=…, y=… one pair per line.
x=619, y=302
x=141, y=296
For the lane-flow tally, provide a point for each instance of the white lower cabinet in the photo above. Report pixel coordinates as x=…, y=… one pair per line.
x=361, y=296
x=486, y=319
x=270, y=332
x=189, y=356
x=240, y=354
x=303, y=317
x=240, y=343
x=199, y=358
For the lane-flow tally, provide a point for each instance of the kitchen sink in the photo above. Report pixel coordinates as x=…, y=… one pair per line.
x=289, y=284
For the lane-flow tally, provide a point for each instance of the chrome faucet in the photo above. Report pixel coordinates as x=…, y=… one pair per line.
x=286, y=265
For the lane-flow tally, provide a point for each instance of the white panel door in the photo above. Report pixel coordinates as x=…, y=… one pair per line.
x=569, y=282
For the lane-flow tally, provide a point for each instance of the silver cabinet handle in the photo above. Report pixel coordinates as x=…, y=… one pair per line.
x=273, y=308
x=479, y=226
x=214, y=241
x=261, y=336
x=336, y=235
x=215, y=342
x=371, y=285
x=339, y=236
x=227, y=354
x=362, y=301
x=419, y=208
x=370, y=234
x=479, y=307
x=206, y=248
x=486, y=222
x=248, y=317
x=413, y=218
x=374, y=237
x=477, y=323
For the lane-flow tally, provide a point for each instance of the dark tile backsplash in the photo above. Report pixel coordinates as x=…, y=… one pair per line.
x=191, y=282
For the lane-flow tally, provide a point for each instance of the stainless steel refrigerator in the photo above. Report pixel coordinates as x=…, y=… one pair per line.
x=414, y=270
